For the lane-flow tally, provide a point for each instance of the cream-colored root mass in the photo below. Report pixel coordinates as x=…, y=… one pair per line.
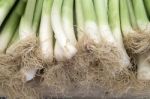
x=143, y=69
x=137, y=42
x=9, y=66
x=56, y=78
x=94, y=66
x=10, y=82
x=28, y=52
x=14, y=88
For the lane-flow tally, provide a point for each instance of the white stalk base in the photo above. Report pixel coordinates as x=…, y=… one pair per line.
x=143, y=72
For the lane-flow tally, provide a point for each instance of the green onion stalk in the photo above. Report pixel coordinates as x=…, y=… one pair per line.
x=7, y=33
x=127, y=18
x=10, y=27
x=108, y=39
x=99, y=45
x=61, y=21
x=89, y=40
x=25, y=33
x=45, y=32
x=121, y=81
x=9, y=64
x=13, y=87
x=67, y=25
x=63, y=44
x=5, y=7
x=27, y=46
x=140, y=39
x=113, y=13
x=135, y=36
x=111, y=49
x=143, y=66
x=30, y=47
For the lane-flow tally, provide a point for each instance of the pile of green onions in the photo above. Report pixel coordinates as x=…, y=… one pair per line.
x=73, y=43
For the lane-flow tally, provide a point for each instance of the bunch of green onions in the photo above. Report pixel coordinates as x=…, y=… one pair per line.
x=46, y=34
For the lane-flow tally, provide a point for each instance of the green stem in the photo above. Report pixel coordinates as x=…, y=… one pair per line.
x=113, y=13
x=5, y=7
x=37, y=15
x=67, y=20
x=88, y=10
x=46, y=33
x=90, y=21
x=79, y=19
x=25, y=28
x=56, y=21
x=15, y=38
x=101, y=12
x=132, y=14
x=140, y=14
x=147, y=5
x=11, y=25
x=114, y=19
x=124, y=16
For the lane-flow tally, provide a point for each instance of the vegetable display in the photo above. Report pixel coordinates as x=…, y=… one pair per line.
x=74, y=48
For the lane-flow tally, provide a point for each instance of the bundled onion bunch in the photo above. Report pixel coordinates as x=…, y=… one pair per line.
x=73, y=47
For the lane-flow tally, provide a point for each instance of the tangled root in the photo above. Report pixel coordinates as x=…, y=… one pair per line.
x=56, y=79
x=14, y=88
x=9, y=66
x=27, y=51
x=22, y=56
x=10, y=85
x=138, y=88
x=112, y=74
x=137, y=42
x=93, y=67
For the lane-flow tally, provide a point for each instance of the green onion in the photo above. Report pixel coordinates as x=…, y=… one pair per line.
x=25, y=31
x=143, y=66
x=67, y=20
x=114, y=21
x=136, y=36
x=46, y=33
x=129, y=34
x=60, y=35
x=11, y=25
x=67, y=25
x=127, y=30
x=5, y=7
